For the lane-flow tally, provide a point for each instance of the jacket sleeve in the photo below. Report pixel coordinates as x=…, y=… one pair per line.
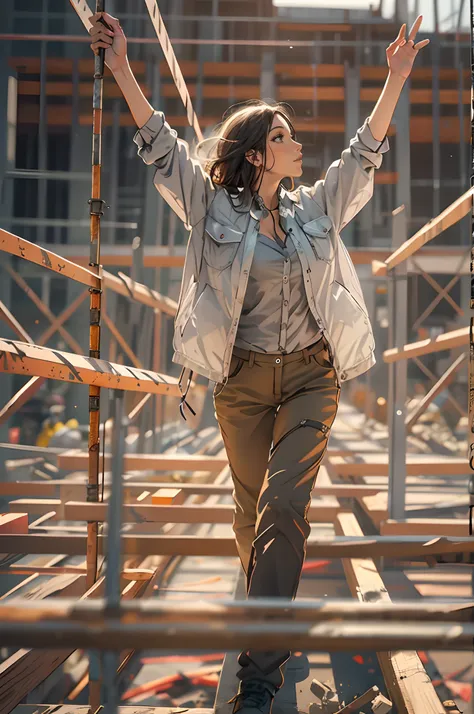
x=349, y=182
x=179, y=179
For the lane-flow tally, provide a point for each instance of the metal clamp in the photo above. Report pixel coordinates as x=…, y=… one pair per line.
x=92, y=492
x=95, y=206
x=94, y=404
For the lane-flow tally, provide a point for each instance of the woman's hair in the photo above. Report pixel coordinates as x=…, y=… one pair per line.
x=244, y=127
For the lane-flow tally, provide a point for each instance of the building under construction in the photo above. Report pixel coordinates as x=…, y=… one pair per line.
x=381, y=480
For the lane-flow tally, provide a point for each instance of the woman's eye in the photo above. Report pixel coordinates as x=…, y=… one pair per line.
x=278, y=136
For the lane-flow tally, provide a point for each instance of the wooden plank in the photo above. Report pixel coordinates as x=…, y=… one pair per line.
x=416, y=464
x=121, y=341
x=445, y=379
x=13, y=244
x=376, y=507
x=320, y=511
x=76, y=490
x=451, y=215
x=27, y=668
x=13, y=323
x=445, y=341
x=21, y=397
x=30, y=360
x=62, y=318
x=42, y=307
x=124, y=285
x=76, y=460
x=173, y=64
x=406, y=679
x=13, y=523
x=169, y=496
x=416, y=547
x=426, y=526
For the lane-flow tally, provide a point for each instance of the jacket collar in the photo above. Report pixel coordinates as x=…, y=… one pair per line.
x=288, y=200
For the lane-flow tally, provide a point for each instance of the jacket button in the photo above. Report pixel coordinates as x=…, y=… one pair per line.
x=221, y=235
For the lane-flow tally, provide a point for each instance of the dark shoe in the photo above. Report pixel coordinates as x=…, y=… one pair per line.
x=254, y=697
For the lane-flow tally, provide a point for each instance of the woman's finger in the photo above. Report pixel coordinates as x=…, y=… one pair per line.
x=106, y=45
x=401, y=33
x=415, y=27
x=104, y=38
x=421, y=44
x=99, y=30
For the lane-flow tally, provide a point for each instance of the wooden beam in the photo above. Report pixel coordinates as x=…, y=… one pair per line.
x=13, y=523
x=425, y=526
x=451, y=215
x=31, y=360
x=21, y=397
x=13, y=244
x=124, y=285
x=445, y=379
x=76, y=490
x=406, y=679
x=121, y=284
x=121, y=340
x=398, y=547
x=319, y=512
x=13, y=323
x=77, y=461
x=42, y=307
x=445, y=341
x=62, y=318
x=376, y=507
x=416, y=464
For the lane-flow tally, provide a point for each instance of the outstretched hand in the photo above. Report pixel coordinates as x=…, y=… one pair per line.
x=402, y=52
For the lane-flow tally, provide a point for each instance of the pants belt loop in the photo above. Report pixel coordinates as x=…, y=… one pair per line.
x=251, y=358
x=306, y=355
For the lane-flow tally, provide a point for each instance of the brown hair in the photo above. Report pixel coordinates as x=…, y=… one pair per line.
x=244, y=127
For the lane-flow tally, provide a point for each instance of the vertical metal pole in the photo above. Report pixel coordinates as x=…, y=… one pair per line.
x=111, y=660
x=397, y=386
x=435, y=53
x=471, y=322
x=42, y=127
x=96, y=211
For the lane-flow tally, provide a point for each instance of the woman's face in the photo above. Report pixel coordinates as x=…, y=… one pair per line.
x=284, y=157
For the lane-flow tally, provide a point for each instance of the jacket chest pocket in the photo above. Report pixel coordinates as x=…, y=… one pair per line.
x=318, y=233
x=220, y=244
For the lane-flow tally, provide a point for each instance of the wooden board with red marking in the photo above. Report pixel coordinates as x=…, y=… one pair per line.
x=32, y=360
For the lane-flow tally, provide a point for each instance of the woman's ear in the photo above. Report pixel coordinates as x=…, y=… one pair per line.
x=254, y=157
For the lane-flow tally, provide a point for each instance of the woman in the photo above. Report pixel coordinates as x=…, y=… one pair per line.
x=270, y=309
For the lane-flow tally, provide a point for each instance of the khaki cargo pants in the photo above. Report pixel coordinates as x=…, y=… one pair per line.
x=275, y=414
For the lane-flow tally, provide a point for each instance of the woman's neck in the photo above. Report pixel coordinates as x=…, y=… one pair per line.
x=268, y=191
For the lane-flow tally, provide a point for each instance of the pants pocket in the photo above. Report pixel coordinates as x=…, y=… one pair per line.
x=236, y=364
x=323, y=358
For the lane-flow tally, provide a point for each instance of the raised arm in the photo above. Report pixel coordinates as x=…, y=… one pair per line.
x=349, y=181
x=179, y=178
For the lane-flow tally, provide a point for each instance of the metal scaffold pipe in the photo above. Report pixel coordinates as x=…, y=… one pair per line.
x=96, y=211
x=471, y=322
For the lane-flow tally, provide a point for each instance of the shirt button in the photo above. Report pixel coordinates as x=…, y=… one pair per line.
x=221, y=235
x=285, y=278
x=285, y=302
x=283, y=325
x=278, y=360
